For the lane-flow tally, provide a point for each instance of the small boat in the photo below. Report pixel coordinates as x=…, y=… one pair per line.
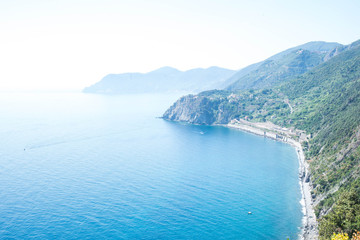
x=249, y=213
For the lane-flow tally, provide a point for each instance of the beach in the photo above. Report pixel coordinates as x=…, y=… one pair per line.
x=270, y=130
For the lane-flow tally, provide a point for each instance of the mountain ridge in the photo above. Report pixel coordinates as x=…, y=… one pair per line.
x=282, y=66
x=165, y=79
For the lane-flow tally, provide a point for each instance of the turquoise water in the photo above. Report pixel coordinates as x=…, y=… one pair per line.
x=77, y=166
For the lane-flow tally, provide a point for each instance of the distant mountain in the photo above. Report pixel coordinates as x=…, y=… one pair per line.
x=284, y=65
x=165, y=79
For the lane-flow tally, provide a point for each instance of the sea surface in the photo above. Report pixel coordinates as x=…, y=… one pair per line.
x=86, y=166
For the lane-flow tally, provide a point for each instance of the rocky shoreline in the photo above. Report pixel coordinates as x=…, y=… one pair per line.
x=310, y=228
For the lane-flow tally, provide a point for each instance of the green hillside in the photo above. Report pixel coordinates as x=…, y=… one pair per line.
x=284, y=66
x=325, y=102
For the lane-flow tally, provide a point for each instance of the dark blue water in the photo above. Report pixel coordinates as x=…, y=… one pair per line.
x=76, y=166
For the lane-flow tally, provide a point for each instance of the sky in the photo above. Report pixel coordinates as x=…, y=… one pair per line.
x=71, y=44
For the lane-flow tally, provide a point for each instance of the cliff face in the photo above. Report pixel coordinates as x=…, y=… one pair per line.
x=196, y=109
x=220, y=107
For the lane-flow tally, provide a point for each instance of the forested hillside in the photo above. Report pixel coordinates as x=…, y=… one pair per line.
x=284, y=66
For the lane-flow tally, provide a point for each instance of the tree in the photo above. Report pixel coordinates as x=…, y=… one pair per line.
x=345, y=216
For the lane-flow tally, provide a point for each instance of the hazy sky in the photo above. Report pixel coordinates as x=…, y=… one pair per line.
x=70, y=44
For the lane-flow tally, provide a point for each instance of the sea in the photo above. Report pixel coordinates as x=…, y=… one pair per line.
x=88, y=166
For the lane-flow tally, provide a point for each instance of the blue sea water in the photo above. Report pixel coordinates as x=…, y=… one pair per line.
x=83, y=166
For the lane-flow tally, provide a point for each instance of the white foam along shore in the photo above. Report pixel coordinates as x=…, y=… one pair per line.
x=309, y=230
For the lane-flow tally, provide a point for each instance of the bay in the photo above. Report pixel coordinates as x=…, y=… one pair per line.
x=83, y=166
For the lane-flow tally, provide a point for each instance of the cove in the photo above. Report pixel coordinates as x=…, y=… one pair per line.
x=78, y=166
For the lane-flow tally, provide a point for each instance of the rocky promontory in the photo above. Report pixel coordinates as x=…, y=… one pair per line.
x=206, y=108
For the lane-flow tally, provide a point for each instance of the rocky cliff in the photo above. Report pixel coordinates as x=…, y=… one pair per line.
x=199, y=109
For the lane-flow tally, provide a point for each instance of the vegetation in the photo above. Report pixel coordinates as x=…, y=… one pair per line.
x=356, y=236
x=284, y=66
x=344, y=217
x=345, y=236
x=271, y=72
x=325, y=102
x=340, y=236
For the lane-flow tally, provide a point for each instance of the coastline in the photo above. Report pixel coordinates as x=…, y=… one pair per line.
x=309, y=228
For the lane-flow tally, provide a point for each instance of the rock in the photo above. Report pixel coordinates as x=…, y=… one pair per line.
x=199, y=109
